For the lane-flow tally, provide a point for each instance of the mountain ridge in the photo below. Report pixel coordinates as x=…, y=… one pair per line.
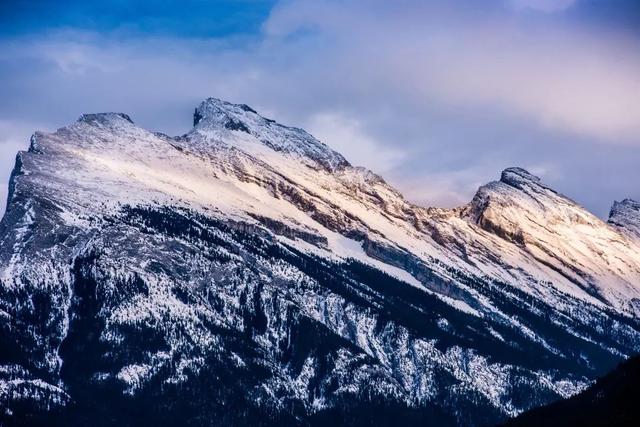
x=134, y=264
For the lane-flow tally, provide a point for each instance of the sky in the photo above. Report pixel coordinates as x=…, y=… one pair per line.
x=436, y=96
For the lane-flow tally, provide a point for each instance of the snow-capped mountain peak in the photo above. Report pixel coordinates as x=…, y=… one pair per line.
x=561, y=235
x=519, y=178
x=214, y=112
x=104, y=118
x=218, y=119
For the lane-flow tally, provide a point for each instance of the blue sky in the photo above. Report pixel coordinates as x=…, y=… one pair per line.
x=437, y=96
x=186, y=18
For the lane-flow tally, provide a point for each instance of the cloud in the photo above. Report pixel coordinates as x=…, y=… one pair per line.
x=436, y=96
x=349, y=138
x=573, y=83
x=566, y=78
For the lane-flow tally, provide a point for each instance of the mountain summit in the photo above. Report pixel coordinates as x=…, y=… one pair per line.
x=219, y=119
x=247, y=273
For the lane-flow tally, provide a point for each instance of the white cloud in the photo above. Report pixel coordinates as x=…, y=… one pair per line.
x=347, y=136
x=583, y=82
x=574, y=83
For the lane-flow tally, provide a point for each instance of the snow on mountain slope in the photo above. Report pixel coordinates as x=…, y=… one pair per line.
x=593, y=256
x=138, y=265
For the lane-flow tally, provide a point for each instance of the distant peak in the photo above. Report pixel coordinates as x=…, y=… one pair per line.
x=628, y=209
x=626, y=214
x=104, y=118
x=515, y=177
x=219, y=117
x=627, y=203
x=218, y=112
x=221, y=103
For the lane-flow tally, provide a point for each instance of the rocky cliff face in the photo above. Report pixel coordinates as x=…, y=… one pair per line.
x=245, y=272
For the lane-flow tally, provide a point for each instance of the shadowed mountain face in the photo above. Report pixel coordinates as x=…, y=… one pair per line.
x=611, y=401
x=247, y=273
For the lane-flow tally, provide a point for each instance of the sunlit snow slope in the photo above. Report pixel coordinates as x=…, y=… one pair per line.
x=245, y=272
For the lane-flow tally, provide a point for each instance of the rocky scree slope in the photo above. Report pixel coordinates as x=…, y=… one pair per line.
x=245, y=272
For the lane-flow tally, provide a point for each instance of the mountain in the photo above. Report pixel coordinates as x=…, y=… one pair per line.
x=245, y=273
x=611, y=401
